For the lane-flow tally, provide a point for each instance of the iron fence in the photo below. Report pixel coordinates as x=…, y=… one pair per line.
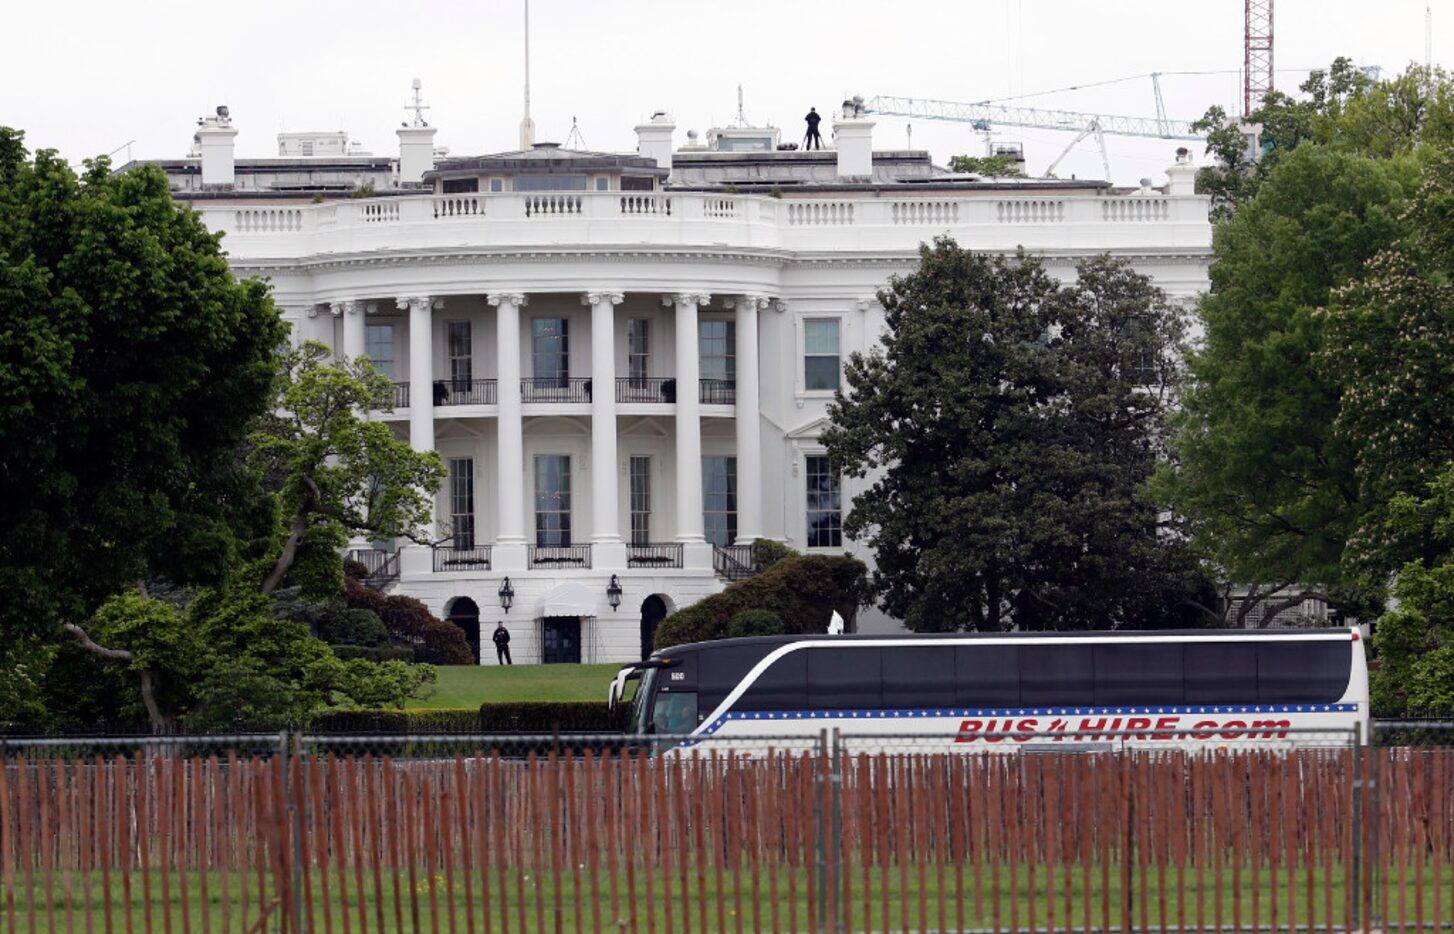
x=554, y=389
x=643, y=389
x=659, y=555
x=558, y=556
x=449, y=558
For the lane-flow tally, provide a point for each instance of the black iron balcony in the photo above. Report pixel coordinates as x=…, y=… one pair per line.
x=449, y=558
x=383, y=566
x=733, y=562
x=667, y=555
x=558, y=556
x=398, y=399
x=464, y=392
x=554, y=389
x=718, y=392
x=645, y=389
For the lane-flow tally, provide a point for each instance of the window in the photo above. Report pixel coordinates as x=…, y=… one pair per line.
x=461, y=355
x=675, y=714
x=783, y=686
x=1302, y=672
x=307, y=146
x=719, y=500
x=987, y=676
x=820, y=354
x=717, y=339
x=825, y=515
x=637, y=183
x=1220, y=673
x=918, y=676
x=552, y=499
x=845, y=679
x=462, y=501
x=550, y=348
x=550, y=183
x=497, y=185
x=456, y=186
x=1052, y=675
x=640, y=500
x=1132, y=673
x=379, y=345
x=638, y=347
x=603, y=183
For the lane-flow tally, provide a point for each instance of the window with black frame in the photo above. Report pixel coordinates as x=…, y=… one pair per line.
x=640, y=500
x=552, y=500
x=379, y=345
x=719, y=500
x=461, y=357
x=550, y=351
x=462, y=501
x=824, y=503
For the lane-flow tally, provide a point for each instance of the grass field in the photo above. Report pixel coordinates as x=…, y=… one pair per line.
x=472, y=685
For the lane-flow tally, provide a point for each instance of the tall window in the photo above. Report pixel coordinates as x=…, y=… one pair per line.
x=552, y=499
x=825, y=504
x=719, y=499
x=718, y=342
x=462, y=500
x=379, y=345
x=550, y=348
x=638, y=347
x=820, y=353
x=461, y=355
x=640, y=500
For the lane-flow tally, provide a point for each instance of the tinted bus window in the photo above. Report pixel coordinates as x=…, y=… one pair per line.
x=1056, y=675
x=1302, y=672
x=720, y=670
x=783, y=686
x=1220, y=673
x=1138, y=673
x=987, y=676
x=919, y=676
x=844, y=679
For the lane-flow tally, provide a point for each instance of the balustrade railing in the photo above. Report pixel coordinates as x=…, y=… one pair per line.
x=645, y=389
x=381, y=212
x=459, y=206
x=555, y=389
x=733, y=562
x=450, y=558
x=1029, y=211
x=464, y=392
x=718, y=392
x=268, y=220
x=383, y=566
x=543, y=204
x=665, y=555
x=820, y=213
x=558, y=556
x=925, y=212
x=1135, y=209
x=398, y=398
x=645, y=204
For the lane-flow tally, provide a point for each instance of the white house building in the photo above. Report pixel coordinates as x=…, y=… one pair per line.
x=625, y=360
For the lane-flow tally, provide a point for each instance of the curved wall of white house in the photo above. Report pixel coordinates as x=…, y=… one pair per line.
x=377, y=273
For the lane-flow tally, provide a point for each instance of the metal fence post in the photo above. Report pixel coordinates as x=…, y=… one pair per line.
x=289, y=746
x=1355, y=899
x=820, y=842
x=1371, y=782
x=835, y=857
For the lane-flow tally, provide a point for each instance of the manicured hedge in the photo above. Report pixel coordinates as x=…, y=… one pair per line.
x=552, y=717
x=374, y=653
x=803, y=591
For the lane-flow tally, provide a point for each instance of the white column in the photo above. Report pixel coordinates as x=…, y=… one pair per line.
x=608, y=550
x=509, y=547
x=689, y=428
x=421, y=369
x=749, y=424
x=352, y=313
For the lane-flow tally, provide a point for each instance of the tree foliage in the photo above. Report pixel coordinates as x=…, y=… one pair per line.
x=132, y=365
x=998, y=165
x=1008, y=424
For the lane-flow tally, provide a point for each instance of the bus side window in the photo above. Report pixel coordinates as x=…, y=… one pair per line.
x=1302, y=672
x=783, y=686
x=1055, y=675
x=844, y=678
x=1139, y=673
x=987, y=675
x=918, y=677
x=1220, y=673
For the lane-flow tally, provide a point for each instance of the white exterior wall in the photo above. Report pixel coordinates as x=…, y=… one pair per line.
x=818, y=256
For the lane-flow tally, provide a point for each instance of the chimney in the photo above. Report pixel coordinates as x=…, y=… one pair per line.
x=653, y=139
x=214, y=137
x=853, y=137
x=416, y=153
x=1181, y=178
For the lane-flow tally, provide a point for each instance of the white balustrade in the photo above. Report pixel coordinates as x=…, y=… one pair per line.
x=937, y=213
x=633, y=203
x=719, y=208
x=1030, y=211
x=537, y=205
x=471, y=205
x=1134, y=209
x=268, y=220
x=820, y=213
x=381, y=212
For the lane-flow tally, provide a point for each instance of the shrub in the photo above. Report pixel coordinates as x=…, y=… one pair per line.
x=766, y=553
x=803, y=591
x=438, y=720
x=355, y=570
x=374, y=653
x=546, y=717
x=353, y=627
x=755, y=623
x=409, y=622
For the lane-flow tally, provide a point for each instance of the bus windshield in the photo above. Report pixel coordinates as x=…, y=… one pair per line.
x=640, y=704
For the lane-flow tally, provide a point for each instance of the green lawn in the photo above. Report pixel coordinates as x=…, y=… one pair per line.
x=472, y=685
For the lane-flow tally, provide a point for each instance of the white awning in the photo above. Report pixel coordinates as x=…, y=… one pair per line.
x=570, y=599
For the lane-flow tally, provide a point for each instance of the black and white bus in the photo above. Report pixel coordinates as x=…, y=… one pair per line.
x=966, y=692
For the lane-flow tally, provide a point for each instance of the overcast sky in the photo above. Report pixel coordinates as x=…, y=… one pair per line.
x=86, y=77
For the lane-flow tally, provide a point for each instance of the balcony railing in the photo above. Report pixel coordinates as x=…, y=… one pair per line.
x=645, y=389
x=558, y=556
x=383, y=566
x=398, y=398
x=449, y=558
x=554, y=389
x=718, y=392
x=464, y=392
x=733, y=562
x=666, y=555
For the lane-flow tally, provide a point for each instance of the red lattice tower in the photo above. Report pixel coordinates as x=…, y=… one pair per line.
x=1256, y=54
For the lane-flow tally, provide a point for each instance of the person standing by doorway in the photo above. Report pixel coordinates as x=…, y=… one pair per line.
x=813, y=139
x=502, y=644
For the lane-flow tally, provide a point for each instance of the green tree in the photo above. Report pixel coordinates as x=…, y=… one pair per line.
x=132, y=366
x=336, y=472
x=998, y=165
x=1008, y=425
x=1267, y=486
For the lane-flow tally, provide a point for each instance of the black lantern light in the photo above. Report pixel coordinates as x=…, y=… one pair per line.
x=507, y=594
x=613, y=592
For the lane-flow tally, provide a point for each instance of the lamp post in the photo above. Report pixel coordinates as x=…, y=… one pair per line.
x=613, y=592
x=507, y=594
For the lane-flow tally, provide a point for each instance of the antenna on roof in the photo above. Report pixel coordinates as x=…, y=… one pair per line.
x=527, y=126
x=741, y=114
x=418, y=106
x=575, y=140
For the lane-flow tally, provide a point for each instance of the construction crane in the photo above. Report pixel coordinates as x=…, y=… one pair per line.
x=1256, y=53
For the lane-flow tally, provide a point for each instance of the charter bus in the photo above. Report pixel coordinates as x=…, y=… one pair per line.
x=967, y=692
